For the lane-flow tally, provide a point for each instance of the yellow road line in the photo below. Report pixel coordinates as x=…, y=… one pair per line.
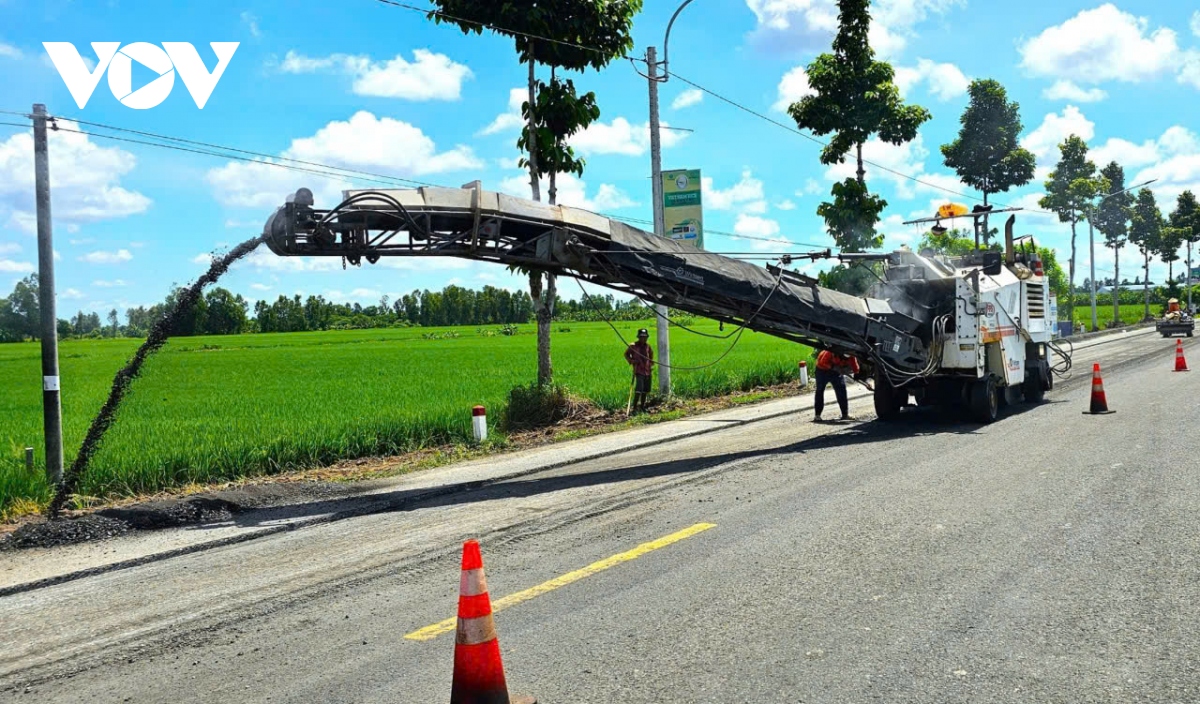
x=431, y=632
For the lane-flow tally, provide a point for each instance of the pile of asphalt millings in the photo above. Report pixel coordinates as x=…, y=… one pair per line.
x=161, y=330
x=111, y=522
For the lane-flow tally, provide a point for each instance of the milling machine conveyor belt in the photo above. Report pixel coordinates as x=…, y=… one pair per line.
x=486, y=226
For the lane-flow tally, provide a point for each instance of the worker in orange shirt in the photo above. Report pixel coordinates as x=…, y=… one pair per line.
x=831, y=370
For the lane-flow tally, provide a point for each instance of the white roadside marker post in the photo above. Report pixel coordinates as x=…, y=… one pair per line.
x=479, y=423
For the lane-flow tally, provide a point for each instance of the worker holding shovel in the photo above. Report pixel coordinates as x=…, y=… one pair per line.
x=641, y=357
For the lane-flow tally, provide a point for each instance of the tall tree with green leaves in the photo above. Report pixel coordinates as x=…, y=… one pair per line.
x=1112, y=220
x=1069, y=193
x=1186, y=217
x=586, y=34
x=853, y=98
x=1169, y=242
x=1145, y=230
x=986, y=155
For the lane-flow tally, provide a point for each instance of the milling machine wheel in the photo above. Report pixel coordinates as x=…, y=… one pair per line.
x=985, y=400
x=1033, y=388
x=888, y=399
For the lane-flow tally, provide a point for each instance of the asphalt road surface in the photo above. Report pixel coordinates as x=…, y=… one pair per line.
x=1049, y=557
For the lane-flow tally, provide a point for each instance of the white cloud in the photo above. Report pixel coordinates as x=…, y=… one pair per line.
x=510, y=120
x=686, y=99
x=792, y=87
x=9, y=248
x=102, y=257
x=71, y=294
x=942, y=81
x=609, y=197
x=204, y=259
x=260, y=287
x=785, y=205
x=1055, y=128
x=84, y=178
x=251, y=23
x=365, y=142
x=1177, y=168
x=572, y=192
x=9, y=266
x=1189, y=69
x=263, y=260
x=429, y=76
x=803, y=26
x=9, y=51
x=1102, y=44
x=1125, y=153
x=747, y=190
x=811, y=187
x=1066, y=90
x=115, y=283
x=621, y=137
x=755, y=226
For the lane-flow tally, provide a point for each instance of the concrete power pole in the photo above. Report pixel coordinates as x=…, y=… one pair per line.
x=51, y=403
x=1092, y=257
x=663, y=323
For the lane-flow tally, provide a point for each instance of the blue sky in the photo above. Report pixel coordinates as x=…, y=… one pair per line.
x=373, y=87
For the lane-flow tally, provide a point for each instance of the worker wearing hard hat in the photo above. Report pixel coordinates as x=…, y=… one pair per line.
x=831, y=370
x=641, y=357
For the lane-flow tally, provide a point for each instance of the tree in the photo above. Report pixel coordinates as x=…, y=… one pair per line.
x=1186, y=217
x=1169, y=241
x=20, y=313
x=1112, y=220
x=854, y=98
x=986, y=154
x=588, y=34
x=113, y=323
x=226, y=313
x=1145, y=229
x=1069, y=193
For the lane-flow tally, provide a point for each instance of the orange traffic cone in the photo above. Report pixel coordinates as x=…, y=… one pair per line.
x=478, y=671
x=1180, y=362
x=1099, y=402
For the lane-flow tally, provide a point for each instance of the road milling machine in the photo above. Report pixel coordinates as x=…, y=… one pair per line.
x=975, y=330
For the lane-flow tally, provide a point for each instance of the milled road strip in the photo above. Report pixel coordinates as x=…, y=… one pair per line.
x=437, y=629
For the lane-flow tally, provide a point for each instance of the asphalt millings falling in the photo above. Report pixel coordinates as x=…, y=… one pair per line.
x=158, y=336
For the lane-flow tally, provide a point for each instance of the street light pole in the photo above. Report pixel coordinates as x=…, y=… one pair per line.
x=663, y=322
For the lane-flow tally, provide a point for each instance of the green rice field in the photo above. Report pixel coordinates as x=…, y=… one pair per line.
x=1130, y=314
x=226, y=407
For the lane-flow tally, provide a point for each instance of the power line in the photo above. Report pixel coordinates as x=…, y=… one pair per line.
x=427, y=12
x=236, y=150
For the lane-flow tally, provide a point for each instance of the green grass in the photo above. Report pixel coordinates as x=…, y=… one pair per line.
x=1130, y=314
x=219, y=408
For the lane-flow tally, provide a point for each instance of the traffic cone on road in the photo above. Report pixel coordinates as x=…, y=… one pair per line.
x=478, y=671
x=1099, y=402
x=1180, y=362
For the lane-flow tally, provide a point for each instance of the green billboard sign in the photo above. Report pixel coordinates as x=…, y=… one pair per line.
x=683, y=215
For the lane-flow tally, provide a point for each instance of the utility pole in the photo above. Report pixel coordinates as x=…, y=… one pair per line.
x=51, y=403
x=1189, y=276
x=663, y=322
x=1092, y=256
